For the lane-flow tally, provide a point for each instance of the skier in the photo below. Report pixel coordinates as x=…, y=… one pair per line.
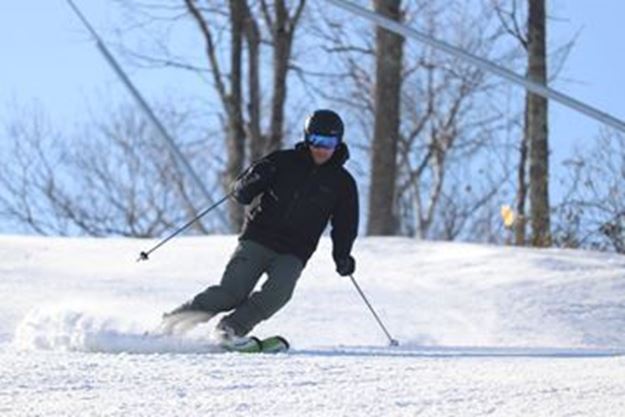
x=293, y=195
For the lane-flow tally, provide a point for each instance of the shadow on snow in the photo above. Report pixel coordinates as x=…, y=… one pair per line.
x=460, y=352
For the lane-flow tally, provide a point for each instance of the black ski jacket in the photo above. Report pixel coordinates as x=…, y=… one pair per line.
x=293, y=199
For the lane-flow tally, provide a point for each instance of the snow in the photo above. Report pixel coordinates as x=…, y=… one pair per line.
x=483, y=330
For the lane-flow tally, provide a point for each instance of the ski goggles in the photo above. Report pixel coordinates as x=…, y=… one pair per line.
x=322, y=141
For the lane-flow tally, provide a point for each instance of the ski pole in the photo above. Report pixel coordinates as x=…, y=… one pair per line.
x=143, y=256
x=392, y=341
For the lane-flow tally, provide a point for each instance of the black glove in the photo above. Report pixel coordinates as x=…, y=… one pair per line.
x=345, y=266
x=253, y=181
x=245, y=190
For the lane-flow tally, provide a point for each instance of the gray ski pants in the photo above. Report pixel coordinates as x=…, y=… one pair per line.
x=248, y=262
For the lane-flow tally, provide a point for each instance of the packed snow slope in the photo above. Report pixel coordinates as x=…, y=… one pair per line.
x=482, y=330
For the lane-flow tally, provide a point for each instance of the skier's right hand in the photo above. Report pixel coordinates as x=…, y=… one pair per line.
x=253, y=181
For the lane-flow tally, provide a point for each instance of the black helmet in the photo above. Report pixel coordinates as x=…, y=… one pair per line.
x=324, y=122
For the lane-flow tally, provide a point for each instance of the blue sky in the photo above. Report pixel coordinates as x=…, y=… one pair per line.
x=48, y=59
x=595, y=70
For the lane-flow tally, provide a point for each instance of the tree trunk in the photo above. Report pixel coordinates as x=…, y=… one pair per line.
x=283, y=31
x=520, y=224
x=387, y=119
x=236, y=132
x=281, y=53
x=252, y=34
x=537, y=127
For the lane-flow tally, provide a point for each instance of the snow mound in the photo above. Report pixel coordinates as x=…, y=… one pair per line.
x=428, y=294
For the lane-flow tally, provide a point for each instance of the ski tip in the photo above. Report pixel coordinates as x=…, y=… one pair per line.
x=284, y=342
x=274, y=344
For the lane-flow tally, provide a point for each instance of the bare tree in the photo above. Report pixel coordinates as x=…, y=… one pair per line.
x=257, y=142
x=112, y=178
x=387, y=98
x=449, y=115
x=516, y=22
x=452, y=125
x=592, y=212
x=234, y=35
x=537, y=126
x=231, y=97
x=452, y=162
x=512, y=23
x=282, y=26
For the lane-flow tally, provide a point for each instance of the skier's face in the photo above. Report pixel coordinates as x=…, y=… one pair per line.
x=321, y=155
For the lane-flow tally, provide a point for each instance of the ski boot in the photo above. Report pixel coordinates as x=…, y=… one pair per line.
x=231, y=342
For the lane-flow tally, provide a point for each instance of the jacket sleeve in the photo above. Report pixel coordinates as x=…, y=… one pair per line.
x=255, y=179
x=345, y=220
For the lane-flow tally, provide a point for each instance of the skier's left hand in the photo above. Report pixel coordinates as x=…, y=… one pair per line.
x=346, y=266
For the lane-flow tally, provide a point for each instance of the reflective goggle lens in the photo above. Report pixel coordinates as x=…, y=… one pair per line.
x=322, y=141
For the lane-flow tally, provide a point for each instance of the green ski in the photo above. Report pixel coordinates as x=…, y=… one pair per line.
x=273, y=344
